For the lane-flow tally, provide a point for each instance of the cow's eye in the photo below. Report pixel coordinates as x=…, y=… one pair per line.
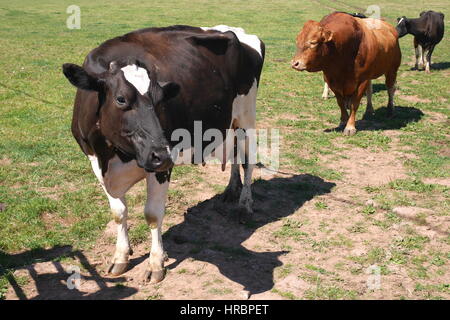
x=121, y=101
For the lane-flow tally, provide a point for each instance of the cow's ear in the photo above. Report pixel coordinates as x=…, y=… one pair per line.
x=80, y=78
x=327, y=35
x=163, y=91
x=170, y=89
x=217, y=43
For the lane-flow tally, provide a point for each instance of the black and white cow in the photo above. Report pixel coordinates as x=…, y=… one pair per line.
x=428, y=31
x=135, y=91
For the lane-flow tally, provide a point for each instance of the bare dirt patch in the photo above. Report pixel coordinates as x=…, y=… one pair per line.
x=384, y=166
x=414, y=99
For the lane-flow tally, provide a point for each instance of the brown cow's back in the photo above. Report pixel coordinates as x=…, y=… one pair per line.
x=370, y=46
x=383, y=50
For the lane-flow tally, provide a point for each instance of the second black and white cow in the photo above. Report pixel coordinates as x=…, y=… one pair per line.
x=137, y=91
x=428, y=31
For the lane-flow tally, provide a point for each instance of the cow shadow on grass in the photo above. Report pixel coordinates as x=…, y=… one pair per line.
x=440, y=66
x=50, y=276
x=217, y=238
x=380, y=120
x=434, y=66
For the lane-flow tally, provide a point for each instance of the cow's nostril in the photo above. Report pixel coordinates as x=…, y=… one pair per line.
x=155, y=157
x=295, y=64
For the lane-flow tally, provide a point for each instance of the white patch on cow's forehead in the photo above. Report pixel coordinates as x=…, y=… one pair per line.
x=249, y=39
x=137, y=76
x=400, y=21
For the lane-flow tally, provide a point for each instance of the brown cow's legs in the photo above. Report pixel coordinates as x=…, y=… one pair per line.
x=350, y=128
x=343, y=104
x=354, y=101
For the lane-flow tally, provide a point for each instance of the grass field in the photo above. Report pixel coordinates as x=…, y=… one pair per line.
x=340, y=205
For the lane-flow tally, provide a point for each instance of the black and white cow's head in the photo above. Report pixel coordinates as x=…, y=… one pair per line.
x=128, y=97
x=402, y=26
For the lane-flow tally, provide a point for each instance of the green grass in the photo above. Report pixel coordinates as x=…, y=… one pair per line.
x=52, y=198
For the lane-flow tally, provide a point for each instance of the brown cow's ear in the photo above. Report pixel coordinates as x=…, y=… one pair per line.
x=327, y=35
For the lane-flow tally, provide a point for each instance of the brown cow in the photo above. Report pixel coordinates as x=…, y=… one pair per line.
x=350, y=52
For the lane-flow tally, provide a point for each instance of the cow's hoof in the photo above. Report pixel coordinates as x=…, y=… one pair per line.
x=154, y=276
x=349, y=131
x=157, y=276
x=116, y=269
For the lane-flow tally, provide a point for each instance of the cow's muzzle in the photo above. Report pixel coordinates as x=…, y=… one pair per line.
x=298, y=65
x=158, y=160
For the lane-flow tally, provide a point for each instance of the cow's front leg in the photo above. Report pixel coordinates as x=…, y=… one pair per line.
x=154, y=212
x=343, y=104
x=246, y=200
x=119, y=212
x=418, y=51
x=119, y=263
x=234, y=188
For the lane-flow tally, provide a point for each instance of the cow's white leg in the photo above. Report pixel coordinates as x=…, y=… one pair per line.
x=418, y=49
x=369, y=107
x=119, y=212
x=246, y=200
x=422, y=57
x=325, y=91
x=154, y=213
x=247, y=121
x=428, y=59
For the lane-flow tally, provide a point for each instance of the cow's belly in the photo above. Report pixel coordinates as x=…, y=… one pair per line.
x=243, y=117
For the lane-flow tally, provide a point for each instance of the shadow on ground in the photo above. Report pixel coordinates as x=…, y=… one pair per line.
x=380, y=120
x=434, y=66
x=52, y=284
x=218, y=238
x=205, y=235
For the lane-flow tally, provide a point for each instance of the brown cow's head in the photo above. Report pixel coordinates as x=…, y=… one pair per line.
x=127, y=98
x=311, y=47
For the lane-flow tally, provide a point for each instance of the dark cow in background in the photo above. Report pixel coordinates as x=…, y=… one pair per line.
x=351, y=52
x=428, y=31
x=135, y=90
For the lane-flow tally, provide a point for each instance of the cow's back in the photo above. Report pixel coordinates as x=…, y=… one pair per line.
x=379, y=46
x=433, y=26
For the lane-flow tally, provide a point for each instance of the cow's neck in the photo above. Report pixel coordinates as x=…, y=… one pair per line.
x=412, y=27
x=338, y=63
